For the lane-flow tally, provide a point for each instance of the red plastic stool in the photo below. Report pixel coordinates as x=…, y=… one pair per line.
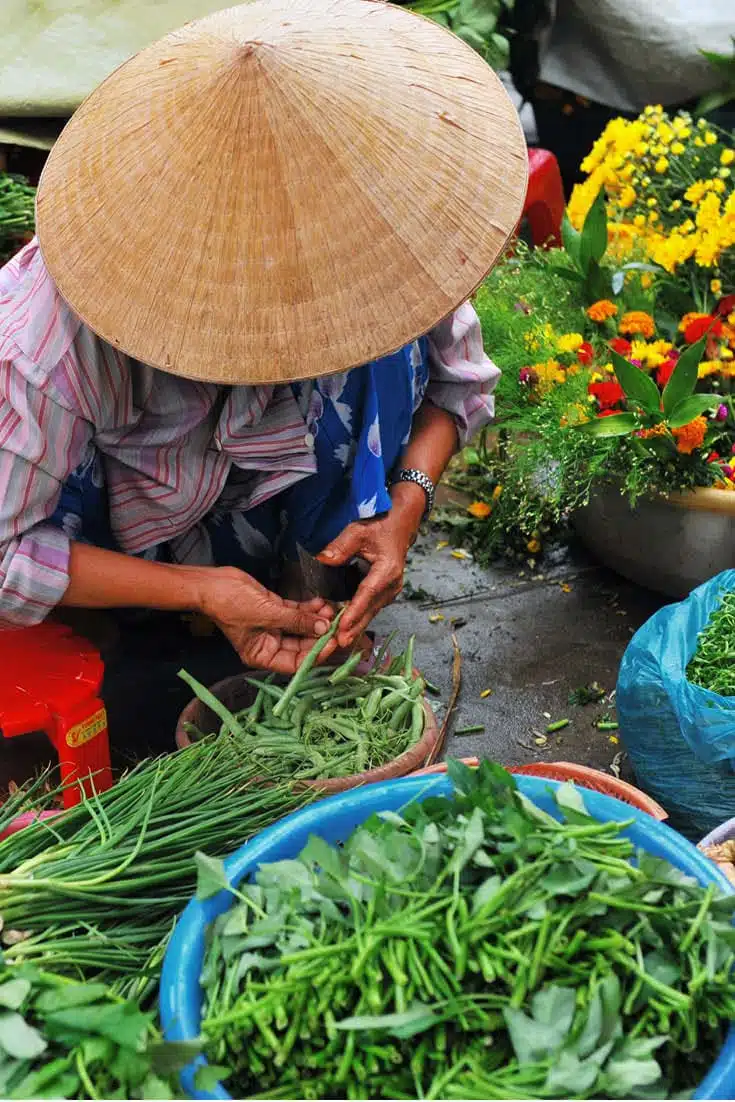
x=50, y=681
x=544, y=207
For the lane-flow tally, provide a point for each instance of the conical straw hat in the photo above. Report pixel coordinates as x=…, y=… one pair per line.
x=282, y=190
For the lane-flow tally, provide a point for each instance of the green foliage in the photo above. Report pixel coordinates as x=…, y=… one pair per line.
x=17, y=213
x=470, y=947
x=61, y=1039
x=478, y=22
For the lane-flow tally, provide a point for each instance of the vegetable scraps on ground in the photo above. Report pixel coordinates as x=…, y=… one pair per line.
x=62, y=1039
x=471, y=947
x=712, y=664
x=326, y=722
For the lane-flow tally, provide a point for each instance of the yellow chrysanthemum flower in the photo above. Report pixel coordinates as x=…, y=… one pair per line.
x=727, y=156
x=569, y=342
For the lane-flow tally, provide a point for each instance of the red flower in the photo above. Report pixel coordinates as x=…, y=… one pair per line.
x=585, y=353
x=725, y=306
x=710, y=326
x=607, y=394
x=713, y=457
x=619, y=344
x=665, y=371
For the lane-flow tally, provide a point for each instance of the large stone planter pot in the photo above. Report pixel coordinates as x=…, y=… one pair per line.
x=669, y=545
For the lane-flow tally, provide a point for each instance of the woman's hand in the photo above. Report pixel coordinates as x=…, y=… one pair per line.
x=384, y=543
x=266, y=631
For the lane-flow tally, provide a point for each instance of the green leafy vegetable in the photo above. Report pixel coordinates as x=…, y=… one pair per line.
x=470, y=948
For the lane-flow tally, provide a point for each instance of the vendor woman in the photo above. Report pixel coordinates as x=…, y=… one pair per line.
x=231, y=224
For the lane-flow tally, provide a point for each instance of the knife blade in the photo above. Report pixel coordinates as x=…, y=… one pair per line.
x=332, y=583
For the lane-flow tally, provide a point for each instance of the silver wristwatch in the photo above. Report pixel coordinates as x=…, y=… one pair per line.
x=410, y=474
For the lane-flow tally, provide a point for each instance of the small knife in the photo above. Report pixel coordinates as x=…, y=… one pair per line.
x=332, y=583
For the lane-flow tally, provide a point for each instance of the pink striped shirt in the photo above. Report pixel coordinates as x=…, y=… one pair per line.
x=166, y=452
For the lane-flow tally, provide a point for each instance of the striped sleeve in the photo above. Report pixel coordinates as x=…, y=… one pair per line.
x=41, y=443
x=462, y=377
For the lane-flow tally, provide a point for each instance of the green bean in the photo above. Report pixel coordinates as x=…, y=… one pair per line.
x=346, y=668
x=418, y=719
x=210, y=700
x=299, y=677
x=399, y=715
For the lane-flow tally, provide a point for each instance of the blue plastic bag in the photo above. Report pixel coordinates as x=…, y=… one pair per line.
x=680, y=738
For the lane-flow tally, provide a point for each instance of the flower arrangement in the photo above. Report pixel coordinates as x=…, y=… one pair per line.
x=618, y=350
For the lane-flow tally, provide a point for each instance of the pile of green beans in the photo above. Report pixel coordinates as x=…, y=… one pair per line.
x=713, y=664
x=325, y=722
x=17, y=217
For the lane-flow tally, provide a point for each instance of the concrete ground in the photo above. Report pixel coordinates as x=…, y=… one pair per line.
x=530, y=636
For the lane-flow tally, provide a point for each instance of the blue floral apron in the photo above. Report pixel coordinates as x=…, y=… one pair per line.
x=360, y=420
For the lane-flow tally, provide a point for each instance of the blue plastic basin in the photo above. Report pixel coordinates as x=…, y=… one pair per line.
x=333, y=820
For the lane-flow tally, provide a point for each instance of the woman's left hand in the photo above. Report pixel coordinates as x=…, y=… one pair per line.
x=383, y=542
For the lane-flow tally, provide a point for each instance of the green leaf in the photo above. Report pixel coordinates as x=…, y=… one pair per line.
x=567, y=273
x=638, y=386
x=123, y=1023
x=472, y=838
x=168, y=1057
x=662, y=967
x=692, y=407
x=13, y=993
x=569, y=1077
x=568, y=796
x=73, y=994
x=593, y=239
x=570, y=239
x=620, y=424
x=208, y=1076
x=20, y=1039
x=624, y=1077
x=661, y=446
x=684, y=377
x=713, y=101
x=497, y=53
x=487, y=891
x=540, y=1037
x=211, y=876
x=326, y=857
x=417, y=1019
x=52, y=1081
x=155, y=1089
x=569, y=877
x=479, y=15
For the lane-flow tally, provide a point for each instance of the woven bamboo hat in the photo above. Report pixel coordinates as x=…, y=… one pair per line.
x=282, y=190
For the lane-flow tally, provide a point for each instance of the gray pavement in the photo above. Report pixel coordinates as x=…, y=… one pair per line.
x=532, y=636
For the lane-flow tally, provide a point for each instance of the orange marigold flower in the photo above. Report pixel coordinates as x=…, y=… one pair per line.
x=637, y=321
x=602, y=310
x=656, y=430
x=690, y=437
x=479, y=509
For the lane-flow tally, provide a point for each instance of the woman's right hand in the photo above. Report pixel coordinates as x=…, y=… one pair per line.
x=265, y=630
